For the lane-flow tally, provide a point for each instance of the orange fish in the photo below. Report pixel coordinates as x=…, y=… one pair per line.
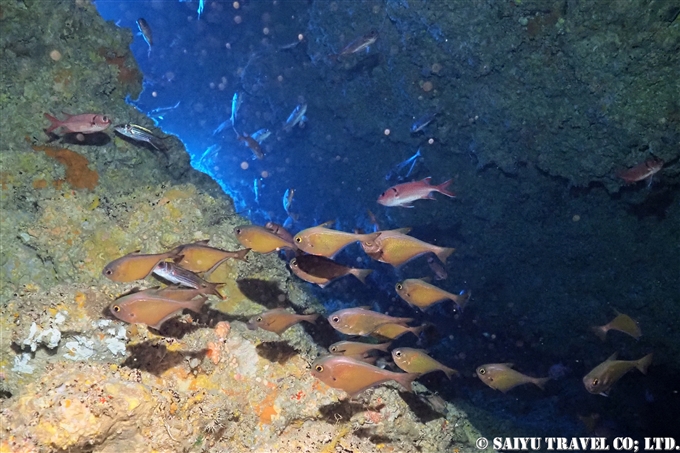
x=423, y=295
x=133, y=266
x=322, y=271
x=260, y=239
x=622, y=323
x=645, y=170
x=396, y=248
x=199, y=257
x=393, y=331
x=278, y=320
x=355, y=348
x=417, y=361
x=321, y=240
x=601, y=378
x=151, y=308
x=501, y=376
x=360, y=321
x=354, y=376
x=87, y=123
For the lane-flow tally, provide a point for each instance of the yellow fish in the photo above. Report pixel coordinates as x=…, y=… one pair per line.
x=355, y=348
x=501, y=376
x=360, y=321
x=417, y=361
x=151, y=308
x=199, y=257
x=602, y=377
x=622, y=323
x=354, y=376
x=134, y=266
x=278, y=320
x=393, y=331
x=321, y=240
x=260, y=239
x=423, y=295
x=396, y=248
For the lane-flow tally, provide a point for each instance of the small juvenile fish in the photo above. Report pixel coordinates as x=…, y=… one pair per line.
x=396, y=248
x=140, y=134
x=251, y=143
x=622, y=323
x=354, y=376
x=436, y=267
x=645, y=170
x=278, y=320
x=321, y=270
x=261, y=135
x=172, y=273
x=501, y=376
x=295, y=117
x=359, y=44
x=145, y=29
x=355, y=348
x=423, y=295
x=393, y=331
x=288, y=196
x=419, y=124
x=321, y=240
x=601, y=378
x=87, y=123
x=260, y=239
x=134, y=266
x=360, y=321
x=417, y=361
x=200, y=257
x=151, y=308
x=403, y=195
x=236, y=102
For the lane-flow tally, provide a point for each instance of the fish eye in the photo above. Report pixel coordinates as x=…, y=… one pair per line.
x=334, y=349
x=259, y=319
x=595, y=381
x=395, y=190
x=109, y=272
x=368, y=244
x=237, y=231
x=116, y=308
x=382, y=194
x=318, y=368
x=335, y=319
x=298, y=239
x=397, y=353
x=105, y=119
x=399, y=287
x=482, y=371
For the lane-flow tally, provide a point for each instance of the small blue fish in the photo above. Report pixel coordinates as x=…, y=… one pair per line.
x=295, y=117
x=395, y=173
x=257, y=182
x=419, y=124
x=235, y=105
x=261, y=135
x=288, y=199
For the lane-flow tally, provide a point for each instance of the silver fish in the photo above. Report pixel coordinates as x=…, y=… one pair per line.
x=236, y=102
x=175, y=274
x=261, y=135
x=419, y=124
x=295, y=117
x=145, y=29
x=140, y=134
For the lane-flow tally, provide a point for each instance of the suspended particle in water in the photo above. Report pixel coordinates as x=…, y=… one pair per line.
x=265, y=30
x=430, y=141
x=387, y=132
x=244, y=165
x=154, y=94
x=236, y=5
x=264, y=174
x=238, y=19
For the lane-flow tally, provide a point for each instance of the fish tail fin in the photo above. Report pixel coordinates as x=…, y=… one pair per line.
x=55, y=122
x=644, y=363
x=383, y=347
x=450, y=372
x=361, y=274
x=443, y=253
x=600, y=331
x=195, y=305
x=540, y=382
x=311, y=318
x=441, y=188
x=406, y=379
x=209, y=272
x=417, y=330
x=462, y=299
x=241, y=254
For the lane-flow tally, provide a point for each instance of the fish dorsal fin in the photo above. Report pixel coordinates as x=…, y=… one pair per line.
x=398, y=230
x=427, y=180
x=509, y=365
x=613, y=357
x=427, y=279
x=365, y=307
x=326, y=224
x=202, y=242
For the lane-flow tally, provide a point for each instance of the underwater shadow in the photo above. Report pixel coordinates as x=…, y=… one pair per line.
x=276, y=351
x=76, y=138
x=426, y=407
x=345, y=410
x=155, y=358
x=263, y=292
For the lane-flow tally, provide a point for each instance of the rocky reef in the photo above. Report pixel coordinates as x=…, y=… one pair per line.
x=74, y=379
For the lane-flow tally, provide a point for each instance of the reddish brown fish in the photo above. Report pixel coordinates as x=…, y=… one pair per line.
x=86, y=123
x=622, y=323
x=360, y=321
x=641, y=171
x=260, y=239
x=501, y=376
x=134, y=266
x=322, y=271
x=601, y=378
x=200, y=257
x=396, y=248
x=354, y=376
x=251, y=143
x=280, y=231
x=151, y=308
x=278, y=320
x=321, y=240
x=417, y=361
x=423, y=295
